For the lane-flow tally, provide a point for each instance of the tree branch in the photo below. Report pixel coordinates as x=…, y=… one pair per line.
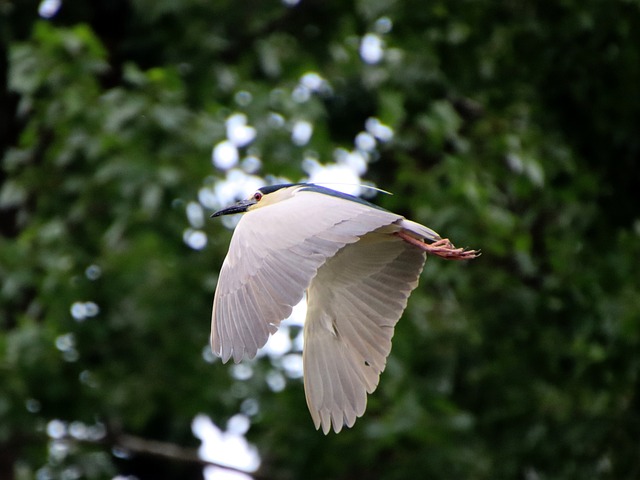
x=154, y=448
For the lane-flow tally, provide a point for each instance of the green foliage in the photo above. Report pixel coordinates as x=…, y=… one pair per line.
x=514, y=131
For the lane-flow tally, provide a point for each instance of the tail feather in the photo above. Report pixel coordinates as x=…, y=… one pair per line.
x=421, y=231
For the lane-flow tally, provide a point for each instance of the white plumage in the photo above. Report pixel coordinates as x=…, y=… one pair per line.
x=358, y=264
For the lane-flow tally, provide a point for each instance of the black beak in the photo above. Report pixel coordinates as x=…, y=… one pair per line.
x=238, y=207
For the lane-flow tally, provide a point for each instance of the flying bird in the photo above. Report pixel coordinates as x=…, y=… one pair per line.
x=357, y=262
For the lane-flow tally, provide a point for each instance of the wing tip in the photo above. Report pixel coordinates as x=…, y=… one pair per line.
x=335, y=420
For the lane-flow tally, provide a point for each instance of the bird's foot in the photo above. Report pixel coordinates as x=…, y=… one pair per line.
x=442, y=248
x=445, y=249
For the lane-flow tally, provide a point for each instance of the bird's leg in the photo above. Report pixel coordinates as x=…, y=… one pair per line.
x=442, y=248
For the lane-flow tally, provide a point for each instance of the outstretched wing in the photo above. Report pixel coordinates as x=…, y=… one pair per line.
x=275, y=252
x=354, y=303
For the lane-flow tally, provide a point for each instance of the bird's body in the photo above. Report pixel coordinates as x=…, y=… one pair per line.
x=358, y=264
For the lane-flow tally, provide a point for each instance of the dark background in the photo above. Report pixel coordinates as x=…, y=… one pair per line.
x=516, y=131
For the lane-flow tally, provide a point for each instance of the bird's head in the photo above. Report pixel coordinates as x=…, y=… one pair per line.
x=261, y=198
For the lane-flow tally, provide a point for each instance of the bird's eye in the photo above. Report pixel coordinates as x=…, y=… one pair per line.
x=257, y=196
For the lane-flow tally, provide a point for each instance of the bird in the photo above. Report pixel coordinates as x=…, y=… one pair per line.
x=357, y=263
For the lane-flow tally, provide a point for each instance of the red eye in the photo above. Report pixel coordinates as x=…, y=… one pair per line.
x=257, y=196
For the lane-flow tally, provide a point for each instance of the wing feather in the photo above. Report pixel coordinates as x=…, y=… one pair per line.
x=355, y=300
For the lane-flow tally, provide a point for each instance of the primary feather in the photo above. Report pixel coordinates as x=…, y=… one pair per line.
x=354, y=303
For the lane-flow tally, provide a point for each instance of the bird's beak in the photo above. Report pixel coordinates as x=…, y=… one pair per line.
x=238, y=207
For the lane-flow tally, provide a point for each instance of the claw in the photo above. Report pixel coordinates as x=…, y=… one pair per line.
x=442, y=248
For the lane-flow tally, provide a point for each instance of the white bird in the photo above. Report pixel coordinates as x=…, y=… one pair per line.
x=358, y=264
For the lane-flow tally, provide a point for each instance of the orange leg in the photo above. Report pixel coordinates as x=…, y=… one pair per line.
x=442, y=248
